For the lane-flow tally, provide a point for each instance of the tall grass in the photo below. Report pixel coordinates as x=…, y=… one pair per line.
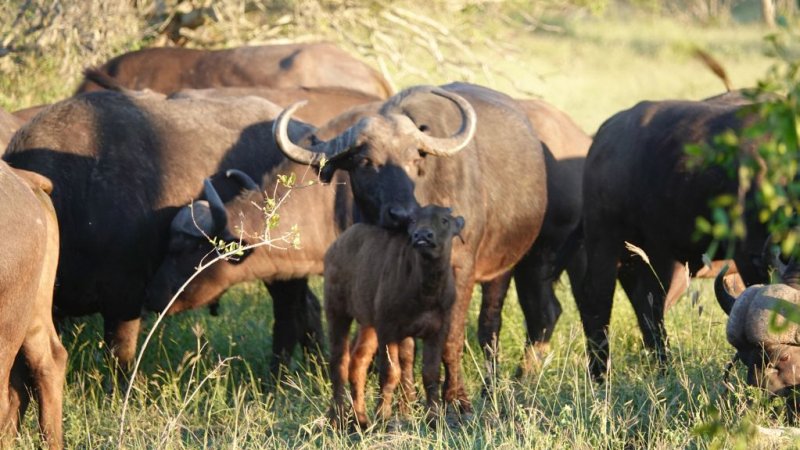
x=203, y=380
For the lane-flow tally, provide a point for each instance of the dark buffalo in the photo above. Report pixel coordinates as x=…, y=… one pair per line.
x=32, y=356
x=170, y=69
x=637, y=188
x=402, y=292
x=460, y=145
x=122, y=165
x=772, y=356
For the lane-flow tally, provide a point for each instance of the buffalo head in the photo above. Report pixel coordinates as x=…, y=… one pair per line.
x=384, y=154
x=189, y=244
x=765, y=340
x=432, y=230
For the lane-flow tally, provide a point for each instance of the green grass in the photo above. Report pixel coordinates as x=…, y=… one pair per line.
x=555, y=407
x=593, y=69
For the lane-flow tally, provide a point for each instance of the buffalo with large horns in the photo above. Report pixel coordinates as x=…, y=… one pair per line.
x=459, y=145
x=766, y=341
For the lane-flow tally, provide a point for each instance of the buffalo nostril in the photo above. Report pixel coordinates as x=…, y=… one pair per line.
x=429, y=236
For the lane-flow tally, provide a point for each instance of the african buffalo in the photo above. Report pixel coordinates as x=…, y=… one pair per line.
x=122, y=165
x=772, y=356
x=32, y=356
x=170, y=69
x=638, y=188
x=459, y=145
x=404, y=291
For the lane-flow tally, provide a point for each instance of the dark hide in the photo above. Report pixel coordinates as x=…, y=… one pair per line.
x=31, y=355
x=121, y=166
x=638, y=189
x=406, y=290
x=170, y=69
x=496, y=182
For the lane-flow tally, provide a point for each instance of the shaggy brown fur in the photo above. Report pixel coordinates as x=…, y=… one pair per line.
x=396, y=286
x=28, y=340
x=170, y=69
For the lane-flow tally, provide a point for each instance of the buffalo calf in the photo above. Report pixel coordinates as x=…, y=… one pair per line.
x=31, y=355
x=395, y=291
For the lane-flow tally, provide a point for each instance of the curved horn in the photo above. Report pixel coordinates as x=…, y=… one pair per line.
x=219, y=216
x=280, y=128
x=453, y=144
x=243, y=179
x=331, y=149
x=726, y=300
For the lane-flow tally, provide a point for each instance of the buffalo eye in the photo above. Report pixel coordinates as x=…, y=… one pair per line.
x=445, y=222
x=365, y=162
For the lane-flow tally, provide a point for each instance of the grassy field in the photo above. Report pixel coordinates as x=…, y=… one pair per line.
x=202, y=383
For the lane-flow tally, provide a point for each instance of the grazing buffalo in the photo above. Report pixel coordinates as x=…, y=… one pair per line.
x=122, y=165
x=326, y=102
x=771, y=353
x=32, y=356
x=638, y=188
x=170, y=69
x=8, y=126
x=402, y=292
x=459, y=145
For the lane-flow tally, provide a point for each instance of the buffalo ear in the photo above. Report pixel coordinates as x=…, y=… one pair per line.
x=460, y=222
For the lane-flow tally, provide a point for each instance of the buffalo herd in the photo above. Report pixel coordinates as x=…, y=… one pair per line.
x=404, y=201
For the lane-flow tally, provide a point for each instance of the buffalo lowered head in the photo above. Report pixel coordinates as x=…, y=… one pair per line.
x=384, y=154
x=766, y=341
x=190, y=237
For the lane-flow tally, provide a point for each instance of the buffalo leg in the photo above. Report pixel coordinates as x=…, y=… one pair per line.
x=453, y=388
x=409, y=392
x=389, y=377
x=490, y=320
x=431, y=372
x=46, y=359
x=538, y=301
x=339, y=339
x=297, y=320
x=648, y=301
x=597, y=294
x=360, y=358
x=121, y=336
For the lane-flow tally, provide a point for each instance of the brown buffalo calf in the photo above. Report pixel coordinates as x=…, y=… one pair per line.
x=30, y=344
x=396, y=286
